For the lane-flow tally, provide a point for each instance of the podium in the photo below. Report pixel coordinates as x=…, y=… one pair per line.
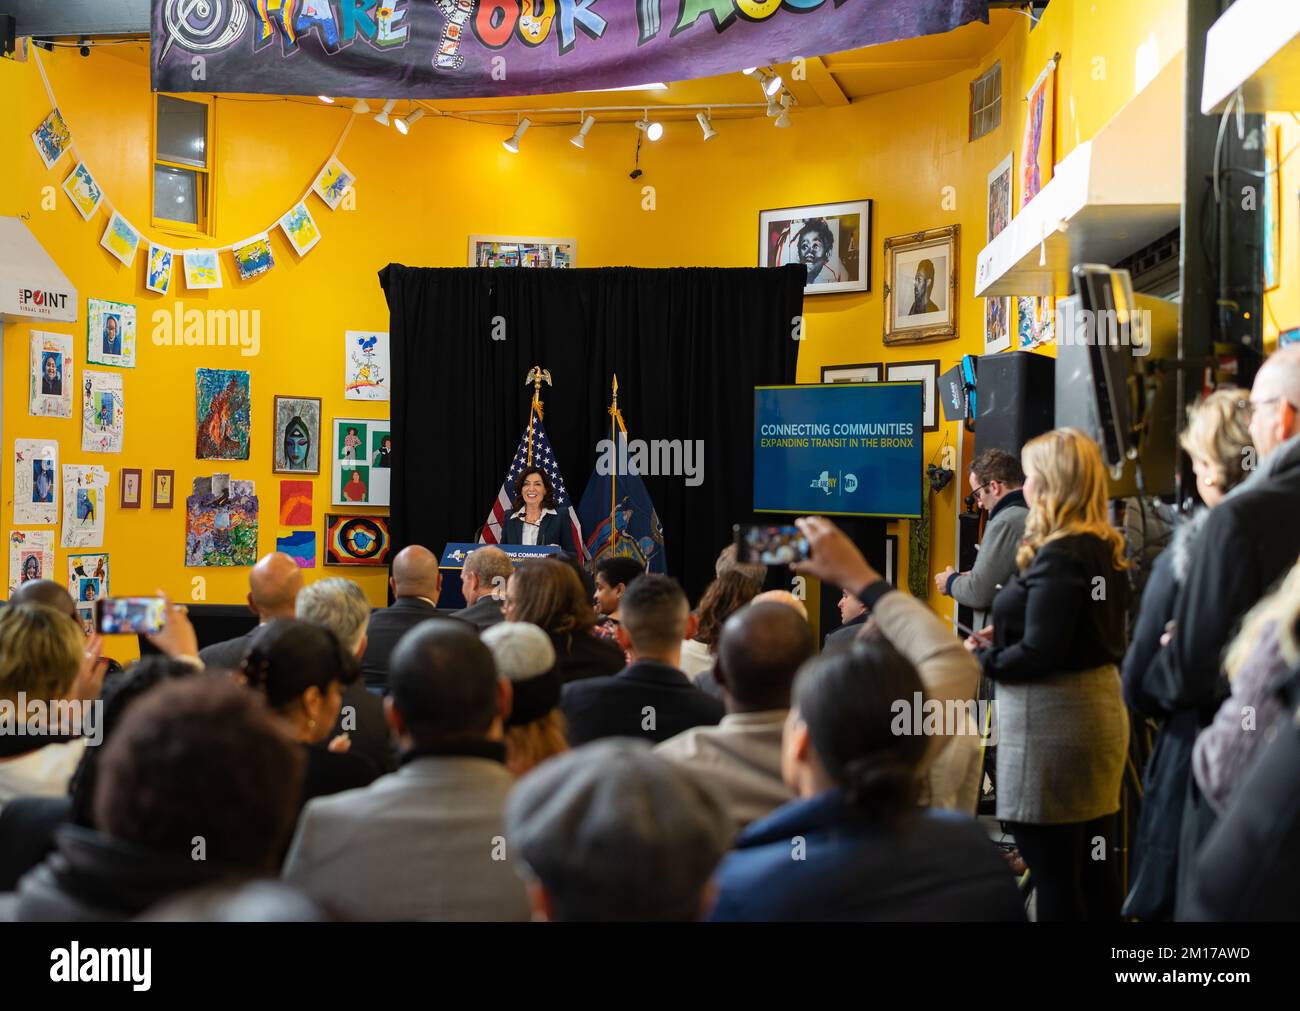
x=453, y=560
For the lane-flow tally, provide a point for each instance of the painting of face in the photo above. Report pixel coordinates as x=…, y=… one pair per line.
x=297, y=435
x=297, y=444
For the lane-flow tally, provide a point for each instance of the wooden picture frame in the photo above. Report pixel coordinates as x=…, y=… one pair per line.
x=284, y=410
x=848, y=223
x=936, y=319
x=129, y=498
x=164, y=489
x=925, y=371
x=860, y=372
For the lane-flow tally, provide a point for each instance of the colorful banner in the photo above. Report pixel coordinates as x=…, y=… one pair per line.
x=480, y=48
x=1037, y=149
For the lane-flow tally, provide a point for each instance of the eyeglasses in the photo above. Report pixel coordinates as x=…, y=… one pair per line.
x=1251, y=406
x=977, y=492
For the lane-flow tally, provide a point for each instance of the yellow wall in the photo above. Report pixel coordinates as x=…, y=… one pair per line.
x=1282, y=304
x=420, y=197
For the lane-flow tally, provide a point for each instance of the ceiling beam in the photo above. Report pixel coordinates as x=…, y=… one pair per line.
x=859, y=66
x=78, y=18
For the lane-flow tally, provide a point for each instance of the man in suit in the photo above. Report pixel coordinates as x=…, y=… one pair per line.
x=483, y=583
x=416, y=583
x=340, y=605
x=853, y=615
x=760, y=649
x=418, y=844
x=273, y=588
x=651, y=699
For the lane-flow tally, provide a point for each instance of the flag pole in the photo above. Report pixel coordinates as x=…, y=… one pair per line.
x=613, y=471
x=536, y=376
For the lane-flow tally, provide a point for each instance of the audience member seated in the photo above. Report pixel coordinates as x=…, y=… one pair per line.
x=761, y=648
x=611, y=832
x=651, y=699
x=535, y=729
x=301, y=669
x=854, y=845
x=340, y=605
x=726, y=595
x=52, y=594
x=419, y=844
x=45, y=662
x=416, y=584
x=483, y=585
x=1249, y=542
x=613, y=574
x=547, y=593
x=853, y=615
x=27, y=824
x=1217, y=439
x=783, y=597
x=198, y=787
x=273, y=588
x=995, y=481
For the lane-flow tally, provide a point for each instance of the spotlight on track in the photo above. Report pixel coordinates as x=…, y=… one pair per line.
x=579, y=139
x=360, y=107
x=382, y=118
x=652, y=130
x=706, y=124
x=783, y=120
x=326, y=99
x=511, y=144
x=404, y=123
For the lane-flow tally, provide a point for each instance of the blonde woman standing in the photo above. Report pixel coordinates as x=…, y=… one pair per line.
x=1057, y=635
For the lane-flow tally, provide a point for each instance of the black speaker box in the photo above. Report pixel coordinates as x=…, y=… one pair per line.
x=1017, y=400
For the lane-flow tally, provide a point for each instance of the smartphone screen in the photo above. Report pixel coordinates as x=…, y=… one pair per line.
x=769, y=545
x=129, y=615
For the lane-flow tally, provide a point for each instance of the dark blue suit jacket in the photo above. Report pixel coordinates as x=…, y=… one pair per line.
x=554, y=530
x=616, y=706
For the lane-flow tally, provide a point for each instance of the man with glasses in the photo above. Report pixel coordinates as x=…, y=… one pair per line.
x=1247, y=543
x=995, y=480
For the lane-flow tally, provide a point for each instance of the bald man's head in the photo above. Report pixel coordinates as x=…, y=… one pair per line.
x=47, y=592
x=415, y=573
x=1275, y=400
x=273, y=586
x=759, y=651
x=784, y=597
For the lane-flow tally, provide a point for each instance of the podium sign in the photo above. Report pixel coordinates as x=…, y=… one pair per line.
x=454, y=554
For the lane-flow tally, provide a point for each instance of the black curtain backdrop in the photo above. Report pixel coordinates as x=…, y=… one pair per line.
x=688, y=345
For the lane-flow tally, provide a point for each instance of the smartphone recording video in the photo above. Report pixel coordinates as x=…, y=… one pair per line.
x=769, y=545
x=130, y=615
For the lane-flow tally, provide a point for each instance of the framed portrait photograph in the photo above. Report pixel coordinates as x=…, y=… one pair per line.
x=831, y=241
x=926, y=372
x=921, y=286
x=362, y=463
x=296, y=435
x=864, y=372
x=110, y=333
x=129, y=487
x=522, y=251
x=164, y=491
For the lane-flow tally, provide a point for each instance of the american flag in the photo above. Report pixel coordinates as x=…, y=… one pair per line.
x=544, y=458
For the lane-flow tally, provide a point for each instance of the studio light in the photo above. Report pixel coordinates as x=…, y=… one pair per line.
x=706, y=124
x=511, y=144
x=326, y=99
x=361, y=107
x=773, y=107
x=579, y=139
x=404, y=123
x=748, y=70
x=382, y=118
x=783, y=120
x=652, y=130
x=773, y=84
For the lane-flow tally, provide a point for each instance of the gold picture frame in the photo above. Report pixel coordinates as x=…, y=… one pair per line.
x=929, y=294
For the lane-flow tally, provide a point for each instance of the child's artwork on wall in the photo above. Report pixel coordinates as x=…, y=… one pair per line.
x=361, y=472
x=36, y=476
x=52, y=138
x=52, y=378
x=365, y=365
x=221, y=522
x=121, y=239
x=297, y=435
x=223, y=414
x=295, y=503
x=202, y=268
x=85, y=494
x=333, y=183
x=253, y=257
x=300, y=545
x=83, y=191
x=87, y=578
x=1035, y=323
x=31, y=556
x=102, y=412
x=356, y=540
x=110, y=333
x=300, y=229
x=159, y=277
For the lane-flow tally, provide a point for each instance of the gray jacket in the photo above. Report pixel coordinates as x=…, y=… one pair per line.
x=424, y=843
x=995, y=562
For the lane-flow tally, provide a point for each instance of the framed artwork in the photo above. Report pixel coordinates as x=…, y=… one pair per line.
x=831, y=241
x=921, y=286
x=365, y=365
x=36, y=481
x=31, y=556
x=361, y=464
x=52, y=380
x=998, y=198
x=222, y=414
x=129, y=487
x=356, y=540
x=297, y=435
x=521, y=251
x=997, y=325
x=110, y=333
x=103, y=412
x=926, y=372
x=164, y=493
x=1035, y=320
x=864, y=372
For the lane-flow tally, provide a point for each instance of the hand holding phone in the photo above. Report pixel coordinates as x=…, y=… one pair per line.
x=769, y=545
x=130, y=615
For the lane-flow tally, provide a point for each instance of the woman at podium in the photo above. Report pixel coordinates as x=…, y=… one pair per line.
x=535, y=519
